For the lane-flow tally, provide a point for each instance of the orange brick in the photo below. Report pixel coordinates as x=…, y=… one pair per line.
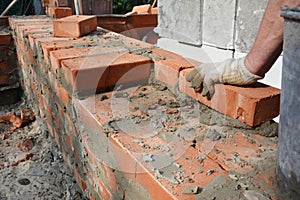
x=252, y=105
x=110, y=177
x=168, y=67
x=56, y=45
x=102, y=190
x=33, y=37
x=142, y=9
x=74, y=26
x=154, y=11
x=33, y=28
x=59, y=12
x=79, y=179
x=5, y=38
x=104, y=71
x=62, y=94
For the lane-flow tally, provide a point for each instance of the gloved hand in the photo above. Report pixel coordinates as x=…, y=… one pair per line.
x=231, y=71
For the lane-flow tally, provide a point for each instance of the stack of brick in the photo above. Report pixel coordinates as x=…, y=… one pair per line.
x=62, y=76
x=9, y=78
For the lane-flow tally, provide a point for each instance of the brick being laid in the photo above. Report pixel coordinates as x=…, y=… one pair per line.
x=252, y=105
x=167, y=65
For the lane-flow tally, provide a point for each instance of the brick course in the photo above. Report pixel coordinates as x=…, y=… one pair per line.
x=54, y=69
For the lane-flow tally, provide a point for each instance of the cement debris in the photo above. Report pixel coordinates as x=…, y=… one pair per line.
x=31, y=166
x=19, y=119
x=191, y=190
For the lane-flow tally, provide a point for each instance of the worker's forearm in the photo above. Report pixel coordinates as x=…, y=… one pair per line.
x=269, y=39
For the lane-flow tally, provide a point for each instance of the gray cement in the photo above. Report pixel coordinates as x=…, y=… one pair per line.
x=37, y=171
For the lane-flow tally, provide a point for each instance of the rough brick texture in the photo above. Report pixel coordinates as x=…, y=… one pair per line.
x=74, y=26
x=252, y=105
x=109, y=137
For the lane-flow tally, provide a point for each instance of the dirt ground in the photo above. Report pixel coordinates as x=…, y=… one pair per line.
x=31, y=165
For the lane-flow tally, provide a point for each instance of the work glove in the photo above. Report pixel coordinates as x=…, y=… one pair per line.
x=231, y=71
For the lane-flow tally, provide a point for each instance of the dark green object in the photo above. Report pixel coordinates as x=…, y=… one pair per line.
x=15, y=10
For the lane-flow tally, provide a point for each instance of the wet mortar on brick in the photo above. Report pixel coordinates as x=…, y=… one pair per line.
x=170, y=116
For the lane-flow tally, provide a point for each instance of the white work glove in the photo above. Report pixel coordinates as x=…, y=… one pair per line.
x=231, y=71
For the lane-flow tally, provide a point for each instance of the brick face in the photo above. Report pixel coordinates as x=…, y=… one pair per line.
x=74, y=26
x=88, y=74
x=59, y=12
x=55, y=69
x=251, y=105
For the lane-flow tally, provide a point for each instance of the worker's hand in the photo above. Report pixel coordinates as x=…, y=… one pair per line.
x=231, y=71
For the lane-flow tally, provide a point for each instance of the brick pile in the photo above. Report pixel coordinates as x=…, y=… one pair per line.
x=9, y=78
x=75, y=87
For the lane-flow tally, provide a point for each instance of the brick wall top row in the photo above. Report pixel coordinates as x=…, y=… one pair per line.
x=79, y=62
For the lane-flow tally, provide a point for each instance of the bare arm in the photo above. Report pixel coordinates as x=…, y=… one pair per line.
x=269, y=39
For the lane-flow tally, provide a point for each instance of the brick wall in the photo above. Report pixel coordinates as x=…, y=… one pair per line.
x=9, y=78
x=93, y=95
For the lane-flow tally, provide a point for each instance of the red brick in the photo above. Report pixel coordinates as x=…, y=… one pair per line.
x=5, y=38
x=74, y=26
x=79, y=179
x=169, y=65
x=99, y=72
x=154, y=11
x=57, y=56
x=33, y=37
x=102, y=190
x=110, y=178
x=59, y=12
x=53, y=133
x=68, y=141
x=252, y=105
x=62, y=94
x=35, y=28
x=142, y=9
x=56, y=45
